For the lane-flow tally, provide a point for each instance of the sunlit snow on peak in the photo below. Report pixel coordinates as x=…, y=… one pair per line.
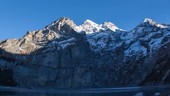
x=151, y=22
x=109, y=25
x=89, y=27
x=148, y=20
x=90, y=22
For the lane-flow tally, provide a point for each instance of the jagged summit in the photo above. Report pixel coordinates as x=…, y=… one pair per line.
x=89, y=27
x=149, y=22
x=110, y=25
x=61, y=19
x=90, y=23
x=58, y=56
x=65, y=27
x=60, y=23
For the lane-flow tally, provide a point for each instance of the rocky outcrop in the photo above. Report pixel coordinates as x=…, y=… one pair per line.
x=64, y=55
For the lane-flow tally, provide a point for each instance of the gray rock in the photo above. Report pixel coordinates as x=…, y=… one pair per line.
x=59, y=57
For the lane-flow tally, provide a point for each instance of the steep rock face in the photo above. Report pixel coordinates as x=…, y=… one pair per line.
x=64, y=55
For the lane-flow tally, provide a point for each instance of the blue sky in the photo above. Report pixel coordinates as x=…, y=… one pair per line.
x=19, y=16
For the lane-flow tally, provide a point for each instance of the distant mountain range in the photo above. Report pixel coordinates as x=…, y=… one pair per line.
x=91, y=55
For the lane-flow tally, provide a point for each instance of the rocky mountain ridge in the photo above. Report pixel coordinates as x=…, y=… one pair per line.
x=64, y=55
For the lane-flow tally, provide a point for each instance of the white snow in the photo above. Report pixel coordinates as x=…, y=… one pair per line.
x=65, y=43
x=109, y=25
x=97, y=41
x=102, y=40
x=90, y=22
x=150, y=21
x=91, y=27
x=60, y=44
x=99, y=37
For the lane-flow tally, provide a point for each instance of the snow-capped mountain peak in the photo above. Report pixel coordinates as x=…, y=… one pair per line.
x=89, y=27
x=59, y=55
x=148, y=21
x=109, y=25
x=90, y=22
